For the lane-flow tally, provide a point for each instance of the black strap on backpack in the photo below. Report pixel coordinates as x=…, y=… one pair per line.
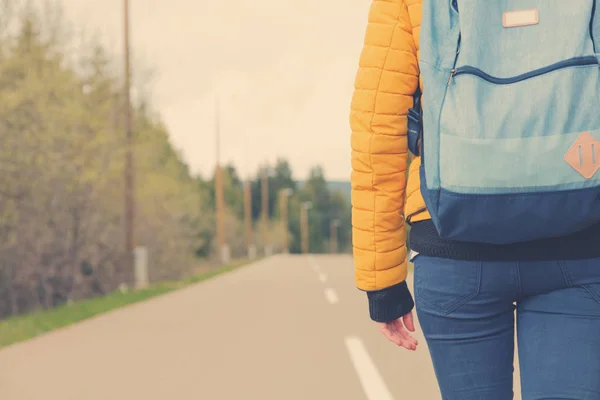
x=415, y=124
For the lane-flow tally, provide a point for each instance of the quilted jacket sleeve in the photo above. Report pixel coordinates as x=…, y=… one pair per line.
x=387, y=78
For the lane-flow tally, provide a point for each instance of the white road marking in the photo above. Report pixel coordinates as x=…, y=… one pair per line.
x=331, y=296
x=313, y=264
x=368, y=374
x=322, y=278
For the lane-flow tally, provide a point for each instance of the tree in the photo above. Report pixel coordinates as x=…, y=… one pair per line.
x=326, y=207
x=61, y=181
x=61, y=176
x=279, y=177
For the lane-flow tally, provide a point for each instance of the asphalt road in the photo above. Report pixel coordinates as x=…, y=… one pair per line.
x=285, y=328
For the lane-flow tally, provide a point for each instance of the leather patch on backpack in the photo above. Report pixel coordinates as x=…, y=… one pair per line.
x=513, y=19
x=584, y=155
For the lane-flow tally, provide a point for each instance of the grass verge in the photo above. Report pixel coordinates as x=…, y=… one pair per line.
x=28, y=326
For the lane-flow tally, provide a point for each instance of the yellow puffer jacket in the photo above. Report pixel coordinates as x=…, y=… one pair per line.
x=387, y=78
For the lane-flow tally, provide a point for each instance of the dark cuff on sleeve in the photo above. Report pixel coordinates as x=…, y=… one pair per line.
x=391, y=303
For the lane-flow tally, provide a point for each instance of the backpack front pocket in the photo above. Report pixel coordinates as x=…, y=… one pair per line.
x=560, y=31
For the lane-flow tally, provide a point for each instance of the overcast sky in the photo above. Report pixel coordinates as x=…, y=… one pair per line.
x=284, y=70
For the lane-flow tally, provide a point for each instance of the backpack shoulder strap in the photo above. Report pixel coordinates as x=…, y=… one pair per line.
x=415, y=124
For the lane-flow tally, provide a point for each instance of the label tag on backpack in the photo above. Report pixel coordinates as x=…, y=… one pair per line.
x=513, y=19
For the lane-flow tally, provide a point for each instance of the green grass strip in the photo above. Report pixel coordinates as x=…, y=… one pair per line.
x=28, y=326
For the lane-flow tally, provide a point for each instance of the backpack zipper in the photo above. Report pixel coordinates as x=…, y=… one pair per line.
x=453, y=72
x=573, y=62
x=415, y=213
x=454, y=5
x=592, y=26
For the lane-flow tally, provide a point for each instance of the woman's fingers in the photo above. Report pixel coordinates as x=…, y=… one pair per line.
x=409, y=321
x=406, y=337
x=397, y=336
x=399, y=327
x=387, y=330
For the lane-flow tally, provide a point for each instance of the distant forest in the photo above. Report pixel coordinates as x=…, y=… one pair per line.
x=61, y=181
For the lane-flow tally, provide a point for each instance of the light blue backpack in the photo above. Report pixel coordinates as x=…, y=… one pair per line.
x=511, y=118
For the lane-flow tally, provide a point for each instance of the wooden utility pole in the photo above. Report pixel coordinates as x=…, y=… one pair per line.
x=219, y=206
x=265, y=208
x=304, y=226
x=333, y=236
x=129, y=149
x=285, y=193
x=248, y=213
x=219, y=186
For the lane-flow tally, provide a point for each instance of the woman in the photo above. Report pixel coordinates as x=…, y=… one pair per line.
x=467, y=291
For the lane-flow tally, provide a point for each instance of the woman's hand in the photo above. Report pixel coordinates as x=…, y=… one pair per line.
x=396, y=331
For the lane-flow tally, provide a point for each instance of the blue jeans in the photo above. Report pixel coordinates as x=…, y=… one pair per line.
x=467, y=313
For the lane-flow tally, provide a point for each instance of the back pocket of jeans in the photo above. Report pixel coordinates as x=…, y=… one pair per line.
x=584, y=273
x=594, y=291
x=445, y=285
